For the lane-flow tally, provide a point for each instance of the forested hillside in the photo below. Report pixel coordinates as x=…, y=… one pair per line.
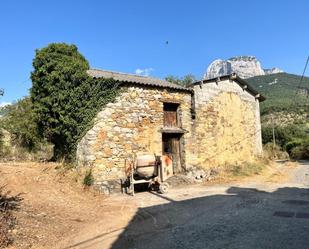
x=283, y=92
x=287, y=110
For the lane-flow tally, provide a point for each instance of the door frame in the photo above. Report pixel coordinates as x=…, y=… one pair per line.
x=178, y=167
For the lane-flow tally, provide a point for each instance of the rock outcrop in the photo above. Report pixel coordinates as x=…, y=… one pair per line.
x=243, y=66
x=273, y=70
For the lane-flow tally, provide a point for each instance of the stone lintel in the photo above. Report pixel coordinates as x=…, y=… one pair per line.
x=173, y=130
x=173, y=101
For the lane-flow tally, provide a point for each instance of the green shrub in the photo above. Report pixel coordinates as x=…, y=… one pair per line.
x=284, y=134
x=301, y=151
x=88, y=179
x=292, y=144
x=19, y=122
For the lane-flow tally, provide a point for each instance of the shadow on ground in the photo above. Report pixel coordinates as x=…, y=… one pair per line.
x=241, y=218
x=303, y=162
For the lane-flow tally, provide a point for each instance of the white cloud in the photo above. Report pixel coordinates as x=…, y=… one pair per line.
x=3, y=104
x=144, y=72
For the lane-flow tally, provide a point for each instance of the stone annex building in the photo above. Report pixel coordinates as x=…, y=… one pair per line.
x=209, y=123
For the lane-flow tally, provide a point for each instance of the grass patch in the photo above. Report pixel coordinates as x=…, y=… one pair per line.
x=274, y=152
x=246, y=169
x=230, y=172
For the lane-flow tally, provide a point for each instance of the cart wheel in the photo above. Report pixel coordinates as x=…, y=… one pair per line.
x=129, y=191
x=163, y=187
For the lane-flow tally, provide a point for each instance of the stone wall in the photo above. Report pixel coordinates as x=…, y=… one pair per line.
x=227, y=126
x=132, y=124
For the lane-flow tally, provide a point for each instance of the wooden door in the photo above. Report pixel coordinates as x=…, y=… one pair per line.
x=171, y=146
x=170, y=115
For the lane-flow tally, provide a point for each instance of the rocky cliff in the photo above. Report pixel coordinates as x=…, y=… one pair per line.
x=273, y=70
x=243, y=66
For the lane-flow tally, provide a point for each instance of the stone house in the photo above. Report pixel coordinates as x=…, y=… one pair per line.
x=209, y=123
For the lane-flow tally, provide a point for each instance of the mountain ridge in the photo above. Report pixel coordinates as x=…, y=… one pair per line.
x=282, y=92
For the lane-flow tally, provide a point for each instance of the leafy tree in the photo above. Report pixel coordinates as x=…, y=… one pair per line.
x=59, y=69
x=185, y=80
x=19, y=121
x=65, y=99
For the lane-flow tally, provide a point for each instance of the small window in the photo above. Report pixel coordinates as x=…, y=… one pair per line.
x=170, y=114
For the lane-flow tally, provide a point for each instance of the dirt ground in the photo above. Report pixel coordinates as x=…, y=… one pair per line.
x=54, y=206
x=57, y=212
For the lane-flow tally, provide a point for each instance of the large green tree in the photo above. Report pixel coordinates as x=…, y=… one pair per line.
x=65, y=99
x=59, y=70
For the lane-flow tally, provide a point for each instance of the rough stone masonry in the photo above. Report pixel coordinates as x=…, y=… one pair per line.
x=218, y=122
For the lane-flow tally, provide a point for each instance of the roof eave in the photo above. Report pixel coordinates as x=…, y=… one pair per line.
x=245, y=84
x=151, y=85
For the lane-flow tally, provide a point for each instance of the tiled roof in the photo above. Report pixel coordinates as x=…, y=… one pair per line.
x=136, y=79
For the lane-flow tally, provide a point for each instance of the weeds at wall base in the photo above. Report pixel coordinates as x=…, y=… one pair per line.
x=88, y=179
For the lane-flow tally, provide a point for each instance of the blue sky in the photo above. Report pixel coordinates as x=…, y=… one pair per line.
x=129, y=35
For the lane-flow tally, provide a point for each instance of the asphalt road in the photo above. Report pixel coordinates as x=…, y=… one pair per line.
x=249, y=216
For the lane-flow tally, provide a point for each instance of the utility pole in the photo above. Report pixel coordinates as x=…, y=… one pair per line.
x=273, y=125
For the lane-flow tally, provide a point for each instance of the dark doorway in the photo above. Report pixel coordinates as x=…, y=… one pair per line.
x=172, y=146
